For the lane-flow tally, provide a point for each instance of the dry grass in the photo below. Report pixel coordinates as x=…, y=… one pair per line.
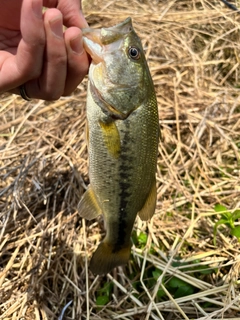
x=193, y=51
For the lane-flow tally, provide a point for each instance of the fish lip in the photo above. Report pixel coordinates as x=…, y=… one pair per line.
x=94, y=49
x=93, y=35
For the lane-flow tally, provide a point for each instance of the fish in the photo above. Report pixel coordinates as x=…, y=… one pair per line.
x=122, y=138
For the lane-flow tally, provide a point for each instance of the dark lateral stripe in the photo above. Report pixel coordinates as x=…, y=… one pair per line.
x=126, y=167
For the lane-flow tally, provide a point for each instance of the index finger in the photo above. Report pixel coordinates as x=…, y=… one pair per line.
x=71, y=11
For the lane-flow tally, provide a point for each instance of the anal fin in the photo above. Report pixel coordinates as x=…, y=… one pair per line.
x=88, y=206
x=149, y=206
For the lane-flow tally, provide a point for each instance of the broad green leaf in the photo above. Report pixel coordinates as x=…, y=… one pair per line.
x=227, y=216
x=142, y=238
x=175, y=282
x=152, y=250
x=160, y=293
x=236, y=215
x=236, y=232
x=223, y=211
x=183, y=291
x=106, y=289
x=102, y=300
x=219, y=208
x=156, y=274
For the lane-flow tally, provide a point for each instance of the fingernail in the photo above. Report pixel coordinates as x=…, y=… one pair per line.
x=77, y=44
x=56, y=27
x=37, y=8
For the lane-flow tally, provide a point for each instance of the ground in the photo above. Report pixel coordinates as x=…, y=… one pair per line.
x=185, y=262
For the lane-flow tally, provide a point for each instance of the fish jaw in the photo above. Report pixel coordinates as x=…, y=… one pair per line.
x=96, y=44
x=92, y=45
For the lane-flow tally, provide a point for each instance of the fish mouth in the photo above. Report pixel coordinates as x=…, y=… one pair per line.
x=95, y=39
x=92, y=44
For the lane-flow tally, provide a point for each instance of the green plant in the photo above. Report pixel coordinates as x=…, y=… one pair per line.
x=228, y=219
x=140, y=241
x=175, y=286
x=104, y=294
x=179, y=288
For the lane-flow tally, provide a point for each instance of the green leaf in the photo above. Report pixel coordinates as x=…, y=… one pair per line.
x=221, y=221
x=102, y=300
x=142, y=238
x=223, y=211
x=156, y=274
x=160, y=293
x=106, y=289
x=236, y=232
x=220, y=208
x=236, y=215
x=176, y=283
x=152, y=250
x=183, y=291
x=204, y=270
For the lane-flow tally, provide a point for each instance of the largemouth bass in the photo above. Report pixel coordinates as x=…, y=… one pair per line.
x=123, y=135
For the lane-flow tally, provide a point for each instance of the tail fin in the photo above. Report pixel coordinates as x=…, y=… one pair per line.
x=105, y=259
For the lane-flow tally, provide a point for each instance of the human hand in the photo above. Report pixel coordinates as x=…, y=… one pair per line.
x=35, y=52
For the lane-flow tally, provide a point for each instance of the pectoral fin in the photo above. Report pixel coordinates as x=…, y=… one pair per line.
x=111, y=138
x=148, y=208
x=88, y=206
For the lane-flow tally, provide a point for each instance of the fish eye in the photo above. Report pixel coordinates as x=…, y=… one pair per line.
x=134, y=53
